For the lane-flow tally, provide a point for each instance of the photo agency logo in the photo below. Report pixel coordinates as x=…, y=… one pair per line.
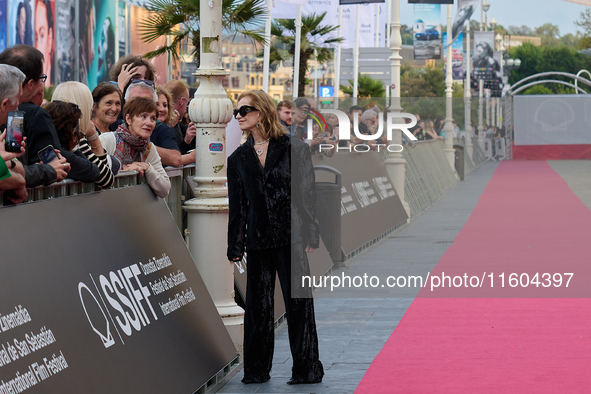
x=394, y=121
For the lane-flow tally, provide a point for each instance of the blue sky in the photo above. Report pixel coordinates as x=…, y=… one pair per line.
x=532, y=13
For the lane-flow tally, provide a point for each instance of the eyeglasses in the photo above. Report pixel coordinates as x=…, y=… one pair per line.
x=305, y=109
x=244, y=110
x=144, y=81
x=42, y=78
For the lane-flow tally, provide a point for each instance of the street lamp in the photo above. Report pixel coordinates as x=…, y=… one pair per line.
x=493, y=24
x=509, y=64
x=468, y=99
x=498, y=41
x=448, y=127
x=485, y=7
x=395, y=163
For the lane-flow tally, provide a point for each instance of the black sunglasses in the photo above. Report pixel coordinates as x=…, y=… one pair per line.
x=244, y=110
x=146, y=81
x=74, y=106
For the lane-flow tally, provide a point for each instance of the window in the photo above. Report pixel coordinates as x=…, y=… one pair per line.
x=236, y=82
x=273, y=81
x=252, y=80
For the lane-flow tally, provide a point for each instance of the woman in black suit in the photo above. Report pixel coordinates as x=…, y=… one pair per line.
x=272, y=217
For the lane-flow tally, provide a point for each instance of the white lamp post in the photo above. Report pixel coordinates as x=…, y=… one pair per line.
x=493, y=100
x=468, y=98
x=483, y=9
x=448, y=127
x=395, y=163
x=211, y=110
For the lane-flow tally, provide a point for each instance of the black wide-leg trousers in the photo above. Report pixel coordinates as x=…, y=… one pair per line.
x=259, y=337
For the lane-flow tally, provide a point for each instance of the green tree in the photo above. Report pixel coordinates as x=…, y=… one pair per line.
x=366, y=87
x=522, y=30
x=538, y=89
x=500, y=29
x=584, y=42
x=584, y=21
x=406, y=35
x=180, y=20
x=549, y=34
x=536, y=60
x=427, y=82
x=570, y=40
x=313, y=40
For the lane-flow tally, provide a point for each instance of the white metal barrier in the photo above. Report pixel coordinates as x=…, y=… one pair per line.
x=500, y=149
x=487, y=148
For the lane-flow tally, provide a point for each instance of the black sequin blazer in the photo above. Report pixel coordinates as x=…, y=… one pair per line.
x=274, y=206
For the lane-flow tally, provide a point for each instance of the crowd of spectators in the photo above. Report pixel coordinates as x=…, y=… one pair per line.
x=126, y=124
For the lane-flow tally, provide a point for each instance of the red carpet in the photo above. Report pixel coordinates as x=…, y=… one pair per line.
x=527, y=220
x=552, y=152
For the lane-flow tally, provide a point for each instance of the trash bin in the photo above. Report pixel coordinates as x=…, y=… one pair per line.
x=328, y=212
x=459, y=160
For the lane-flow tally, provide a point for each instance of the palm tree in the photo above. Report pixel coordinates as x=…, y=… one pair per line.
x=180, y=19
x=311, y=39
x=366, y=87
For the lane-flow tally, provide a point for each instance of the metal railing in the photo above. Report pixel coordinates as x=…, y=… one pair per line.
x=178, y=189
x=428, y=175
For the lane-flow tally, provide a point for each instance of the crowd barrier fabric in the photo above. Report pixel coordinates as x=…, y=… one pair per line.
x=99, y=294
x=370, y=206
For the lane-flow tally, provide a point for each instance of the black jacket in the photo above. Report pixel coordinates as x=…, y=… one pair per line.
x=180, y=130
x=40, y=132
x=274, y=206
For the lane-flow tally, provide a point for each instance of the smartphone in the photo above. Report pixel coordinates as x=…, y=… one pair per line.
x=323, y=135
x=14, y=131
x=47, y=154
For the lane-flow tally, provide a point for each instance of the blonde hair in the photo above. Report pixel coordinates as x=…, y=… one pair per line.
x=269, y=124
x=429, y=126
x=162, y=91
x=79, y=94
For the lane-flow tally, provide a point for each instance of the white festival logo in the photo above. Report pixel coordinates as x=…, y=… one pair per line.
x=107, y=339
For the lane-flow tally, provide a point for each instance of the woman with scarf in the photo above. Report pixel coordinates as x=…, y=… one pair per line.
x=130, y=143
x=272, y=218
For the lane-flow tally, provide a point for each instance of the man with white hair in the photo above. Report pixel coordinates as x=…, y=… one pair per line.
x=38, y=127
x=12, y=172
x=163, y=135
x=370, y=119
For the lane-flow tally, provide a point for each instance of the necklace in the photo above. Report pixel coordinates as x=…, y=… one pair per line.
x=260, y=151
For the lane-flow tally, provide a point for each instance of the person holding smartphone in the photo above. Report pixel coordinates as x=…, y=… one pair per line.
x=12, y=173
x=66, y=117
x=38, y=127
